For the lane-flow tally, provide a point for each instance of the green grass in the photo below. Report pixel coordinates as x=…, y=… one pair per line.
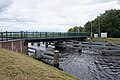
x=111, y=40
x=17, y=66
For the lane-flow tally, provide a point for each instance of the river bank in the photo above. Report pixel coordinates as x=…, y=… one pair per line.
x=111, y=40
x=17, y=66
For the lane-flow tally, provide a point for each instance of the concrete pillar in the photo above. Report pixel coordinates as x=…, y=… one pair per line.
x=12, y=47
x=37, y=54
x=46, y=45
x=56, y=58
x=32, y=43
x=58, y=46
x=79, y=50
x=24, y=47
x=0, y=44
x=38, y=44
x=21, y=46
x=43, y=42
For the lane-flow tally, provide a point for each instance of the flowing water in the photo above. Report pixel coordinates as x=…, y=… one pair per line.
x=90, y=66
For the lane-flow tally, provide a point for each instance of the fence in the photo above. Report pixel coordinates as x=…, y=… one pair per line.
x=22, y=35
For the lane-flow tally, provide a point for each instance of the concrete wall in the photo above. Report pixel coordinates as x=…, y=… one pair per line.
x=15, y=45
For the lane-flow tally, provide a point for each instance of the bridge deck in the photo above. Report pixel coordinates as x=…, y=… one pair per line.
x=81, y=38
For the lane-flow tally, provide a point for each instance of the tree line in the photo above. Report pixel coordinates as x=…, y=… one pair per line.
x=107, y=22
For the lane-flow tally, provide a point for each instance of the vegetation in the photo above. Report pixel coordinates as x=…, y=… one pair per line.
x=76, y=29
x=16, y=66
x=111, y=40
x=108, y=22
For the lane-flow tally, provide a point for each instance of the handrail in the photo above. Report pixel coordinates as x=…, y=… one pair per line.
x=23, y=35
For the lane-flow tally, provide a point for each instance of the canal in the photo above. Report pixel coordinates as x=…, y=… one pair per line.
x=88, y=65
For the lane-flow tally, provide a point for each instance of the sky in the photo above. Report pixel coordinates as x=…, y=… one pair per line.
x=50, y=15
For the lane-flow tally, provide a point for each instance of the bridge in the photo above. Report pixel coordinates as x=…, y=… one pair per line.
x=18, y=41
x=41, y=36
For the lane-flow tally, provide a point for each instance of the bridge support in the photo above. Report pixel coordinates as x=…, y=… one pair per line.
x=38, y=44
x=56, y=58
x=79, y=50
x=32, y=43
x=59, y=47
x=15, y=45
x=46, y=45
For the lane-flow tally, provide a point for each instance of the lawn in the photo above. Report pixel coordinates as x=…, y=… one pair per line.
x=18, y=66
x=111, y=40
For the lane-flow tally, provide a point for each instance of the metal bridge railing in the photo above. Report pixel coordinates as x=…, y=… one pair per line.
x=23, y=35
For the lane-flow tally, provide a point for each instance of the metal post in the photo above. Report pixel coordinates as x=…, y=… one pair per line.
x=21, y=34
x=36, y=34
x=40, y=34
x=56, y=58
x=78, y=31
x=1, y=36
x=10, y=35
x=60, y=34
x=1, y=39
x=91, y=29
x=45, y=34
x=53, y=34
x=65, y=34
x=6, y=36
x=99, y=26
x=26, y=34
x=33, y=34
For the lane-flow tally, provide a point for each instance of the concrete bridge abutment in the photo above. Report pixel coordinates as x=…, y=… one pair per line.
x=15, y=45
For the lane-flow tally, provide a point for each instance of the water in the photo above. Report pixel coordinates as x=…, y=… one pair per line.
x=90, y=66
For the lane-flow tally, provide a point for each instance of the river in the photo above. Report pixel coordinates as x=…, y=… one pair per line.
x=91, y=66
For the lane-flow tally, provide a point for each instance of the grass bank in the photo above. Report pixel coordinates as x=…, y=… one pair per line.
x=17, y=66
x=111, y=40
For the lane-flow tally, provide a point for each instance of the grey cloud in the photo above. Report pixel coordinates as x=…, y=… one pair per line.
x=14, y=20
x=118, y=2
x=8, y=16
x=4, y=4
x=70, y=3
x=100, y=1
x=91, y=2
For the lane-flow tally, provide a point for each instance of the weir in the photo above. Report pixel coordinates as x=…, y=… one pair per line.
x=18, y=41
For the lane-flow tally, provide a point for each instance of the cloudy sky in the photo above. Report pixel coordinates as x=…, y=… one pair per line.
x=50, y=15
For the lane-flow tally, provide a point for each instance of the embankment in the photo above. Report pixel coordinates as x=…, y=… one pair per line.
x=17, y=66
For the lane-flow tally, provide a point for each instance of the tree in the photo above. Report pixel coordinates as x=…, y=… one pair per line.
x=87, y=27
x=109, y=22
x=76, y=29
x=70, y=30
